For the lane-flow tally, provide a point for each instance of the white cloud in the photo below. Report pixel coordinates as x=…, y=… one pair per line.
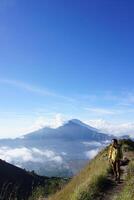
x=56, y=121
x=13, y=126
x=92, y=153
x=117, y=129
x=101, y=111
x=93, y=143
x=23, y=154
x=63, y=153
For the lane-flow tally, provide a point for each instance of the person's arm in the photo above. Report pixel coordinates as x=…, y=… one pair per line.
x=110, y=153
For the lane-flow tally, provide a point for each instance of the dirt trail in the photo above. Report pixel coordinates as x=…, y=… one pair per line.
x=112, y=192
x=115, y=188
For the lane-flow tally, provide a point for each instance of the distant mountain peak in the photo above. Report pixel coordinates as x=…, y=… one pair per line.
x=80, y=123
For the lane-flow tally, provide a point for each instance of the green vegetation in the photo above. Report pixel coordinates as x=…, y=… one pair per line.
x=53, y=184
x=128, y=145
x=128, y=191
x=92, y=182
x=38, y=193
x=89, y=183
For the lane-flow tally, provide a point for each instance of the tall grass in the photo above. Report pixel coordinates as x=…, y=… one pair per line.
x=89, y=183
x=92, y=182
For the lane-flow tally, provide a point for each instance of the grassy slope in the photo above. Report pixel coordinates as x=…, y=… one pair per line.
x=92, y=180
x=88, y=183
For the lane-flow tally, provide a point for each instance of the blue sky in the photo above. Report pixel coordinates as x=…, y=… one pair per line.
x=71, y=57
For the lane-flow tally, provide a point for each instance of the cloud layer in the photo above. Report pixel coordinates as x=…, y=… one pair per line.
x=92, y=153
x=117, y=129
x=23, y=154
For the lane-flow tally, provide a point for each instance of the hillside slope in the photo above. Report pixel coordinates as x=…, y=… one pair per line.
x=93, y=182
x=16, y=183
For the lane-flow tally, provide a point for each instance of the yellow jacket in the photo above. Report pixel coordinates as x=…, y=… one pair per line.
x=115, y=153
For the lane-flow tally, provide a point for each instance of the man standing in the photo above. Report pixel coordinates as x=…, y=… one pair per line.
x=115, y=155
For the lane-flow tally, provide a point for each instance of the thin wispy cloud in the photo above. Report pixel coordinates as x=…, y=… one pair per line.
x=35, y=89
x=101, y=111
x=28, y=87
x=122, y=98
x=128, y=99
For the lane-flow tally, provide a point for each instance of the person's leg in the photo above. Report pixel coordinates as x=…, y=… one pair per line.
x=114, y=170
x=118, y=170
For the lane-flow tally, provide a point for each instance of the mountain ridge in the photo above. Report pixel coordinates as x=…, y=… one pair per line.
x=74, y=122
x=57, y=148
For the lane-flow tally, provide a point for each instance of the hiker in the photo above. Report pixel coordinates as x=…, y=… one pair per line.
x=115, y=155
